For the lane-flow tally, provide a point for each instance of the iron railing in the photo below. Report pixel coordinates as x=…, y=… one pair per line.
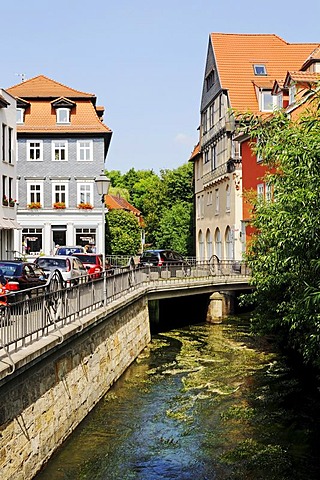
x=39, y=314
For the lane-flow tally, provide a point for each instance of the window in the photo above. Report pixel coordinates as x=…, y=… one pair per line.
x=201, y=245
x=202, y=206
x=34, y=151
x=32, y=240
x=85, y=150
x=198, y=207
x=268, y=192
x=10, y=131
x=292, y=93
x=20, y=115
x=228, y=198
x=34, y=192
x=210, y=79
x=278, y=101
x=260, y=191
x=209, y=244
x=266, y=101
x=217, y=241
x=86, y=236
x=85, y=193
x=59, y=150
x=259, y=69
x=206, y=156
x=59, y=191
x=63, y=115
x=221, y=106
x=4, y=135
x=229, y=244
x=209, y=198
x=213, y=157
x=217, y=202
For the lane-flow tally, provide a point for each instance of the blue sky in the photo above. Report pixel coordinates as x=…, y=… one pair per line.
x=143, y=59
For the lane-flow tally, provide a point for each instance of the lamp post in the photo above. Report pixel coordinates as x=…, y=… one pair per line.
x=103, y=184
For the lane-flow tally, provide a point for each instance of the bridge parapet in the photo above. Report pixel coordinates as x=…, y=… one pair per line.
x=29, y=323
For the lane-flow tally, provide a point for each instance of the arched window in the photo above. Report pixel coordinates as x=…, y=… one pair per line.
x=208, y=244
x=229, y=244
x=228, y=198
x=217, y=241
x=201, y=245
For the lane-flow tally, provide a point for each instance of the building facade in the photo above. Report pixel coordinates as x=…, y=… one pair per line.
x=8, y=195
x=62, y=147
x=239, y=76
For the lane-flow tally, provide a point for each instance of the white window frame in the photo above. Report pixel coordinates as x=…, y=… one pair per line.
x=66, y=192
x=88, y=148
x=266, y=106
x=32, y=193
x=260, y=191
x=259, y=69
x=218, y=243
x=59, y=145
x=292, y=94
x=20, y=115
x=88, y=194
x=63, y=115
x=268, y=192
x=30, y=148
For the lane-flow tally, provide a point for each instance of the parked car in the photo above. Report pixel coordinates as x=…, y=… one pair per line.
x=164, y=258
x=21, y=275
x=92, y=262
x=72, y=269
x=66, y=250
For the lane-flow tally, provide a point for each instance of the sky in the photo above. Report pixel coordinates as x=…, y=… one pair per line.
x=144, y=60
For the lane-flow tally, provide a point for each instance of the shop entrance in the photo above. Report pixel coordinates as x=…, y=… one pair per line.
x=59, y=235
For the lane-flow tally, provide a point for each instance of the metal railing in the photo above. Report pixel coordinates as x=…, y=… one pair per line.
x=39, y=314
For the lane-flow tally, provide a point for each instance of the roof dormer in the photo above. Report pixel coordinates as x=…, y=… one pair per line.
x=63, y=107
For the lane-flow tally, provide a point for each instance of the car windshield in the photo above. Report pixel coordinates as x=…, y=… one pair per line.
x=52, y=263
x=10, y=269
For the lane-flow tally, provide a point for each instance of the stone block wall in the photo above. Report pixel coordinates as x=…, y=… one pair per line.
x=42, y=405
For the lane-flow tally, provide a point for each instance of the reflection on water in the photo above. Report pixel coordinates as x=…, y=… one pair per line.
x=203, y=402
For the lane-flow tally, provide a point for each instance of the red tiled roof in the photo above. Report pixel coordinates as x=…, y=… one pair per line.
x=41, y=116
x=195, y=151
x=237, y=53
x=44, y=87
x=302, y=77
x=119, y=203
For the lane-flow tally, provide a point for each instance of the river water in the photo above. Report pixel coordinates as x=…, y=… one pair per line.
x=202, y=402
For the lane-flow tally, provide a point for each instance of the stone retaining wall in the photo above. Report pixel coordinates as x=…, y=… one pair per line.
x=41, y=405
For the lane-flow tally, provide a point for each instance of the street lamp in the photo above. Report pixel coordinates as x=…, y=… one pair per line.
x=103, y=184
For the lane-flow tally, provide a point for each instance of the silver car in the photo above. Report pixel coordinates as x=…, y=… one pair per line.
x=71, y=268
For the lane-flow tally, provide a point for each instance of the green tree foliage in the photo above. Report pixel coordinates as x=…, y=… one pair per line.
x=123, y=234
x=174, y=228
x=154, y=195
x=284, y=254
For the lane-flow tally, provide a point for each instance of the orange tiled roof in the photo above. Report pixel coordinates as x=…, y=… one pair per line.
x=41, y=116
x=44, y=87
x=237, y=53
x=119, y=203
x=302, y=77
x=195, y=151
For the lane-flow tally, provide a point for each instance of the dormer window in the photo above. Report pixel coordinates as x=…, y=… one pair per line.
x=20, y=115
x=259, y=69
x=63, y=107
x=63, y=115
x=266, y=101
x=292, y=93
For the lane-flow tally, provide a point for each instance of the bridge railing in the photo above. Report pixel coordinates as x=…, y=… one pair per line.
x=27, y=321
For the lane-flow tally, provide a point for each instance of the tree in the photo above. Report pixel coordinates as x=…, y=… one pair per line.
x=123, y=234
x=174, y=228
x=284, y=254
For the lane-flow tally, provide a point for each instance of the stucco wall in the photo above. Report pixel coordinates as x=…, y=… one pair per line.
x=42, y=405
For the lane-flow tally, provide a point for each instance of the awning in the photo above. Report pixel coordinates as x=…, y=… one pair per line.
x=9, y=224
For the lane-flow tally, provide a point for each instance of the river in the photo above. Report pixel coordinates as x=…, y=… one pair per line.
x=202, y=402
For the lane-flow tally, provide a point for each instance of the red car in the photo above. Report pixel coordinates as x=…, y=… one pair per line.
x=92, y=262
